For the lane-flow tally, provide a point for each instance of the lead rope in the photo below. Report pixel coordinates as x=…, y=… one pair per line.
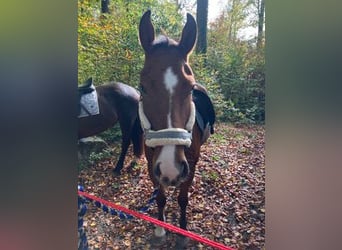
x=82, y=209
x=118, y=213
x=156, y=222
x=82, y=237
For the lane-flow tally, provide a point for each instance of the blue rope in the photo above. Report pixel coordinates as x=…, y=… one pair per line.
x=115, y=212
x=82, y=209
x=82, y=237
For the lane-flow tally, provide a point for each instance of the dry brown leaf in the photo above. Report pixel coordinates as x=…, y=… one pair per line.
x=227, y=202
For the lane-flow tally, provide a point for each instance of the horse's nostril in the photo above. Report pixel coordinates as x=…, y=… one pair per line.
x=185, y=169
x=157, y=171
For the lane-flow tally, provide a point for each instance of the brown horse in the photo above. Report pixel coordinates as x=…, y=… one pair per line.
x=118, y=102
x=175, y=112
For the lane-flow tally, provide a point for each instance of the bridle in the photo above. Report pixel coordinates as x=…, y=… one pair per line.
x=168, y=136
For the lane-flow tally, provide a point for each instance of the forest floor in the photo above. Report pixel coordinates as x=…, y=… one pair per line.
x=226, y=200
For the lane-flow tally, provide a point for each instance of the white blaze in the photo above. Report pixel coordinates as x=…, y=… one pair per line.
x=167, y=154
x=167, y=162
x=170, y=82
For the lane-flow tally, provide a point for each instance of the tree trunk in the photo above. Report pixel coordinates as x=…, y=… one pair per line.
x=104, y=6
x=261, y=13
x=202, y=20
x=233, y=19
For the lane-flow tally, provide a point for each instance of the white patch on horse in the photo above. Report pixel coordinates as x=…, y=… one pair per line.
x=166, y=157
x=167, y=162
x=169, y=124
x=170, y=82
x=160, y=231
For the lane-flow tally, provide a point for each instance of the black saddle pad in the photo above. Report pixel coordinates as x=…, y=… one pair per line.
x=205, y=113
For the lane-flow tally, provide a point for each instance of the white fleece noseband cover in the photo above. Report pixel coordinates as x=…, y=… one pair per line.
x=169, y=136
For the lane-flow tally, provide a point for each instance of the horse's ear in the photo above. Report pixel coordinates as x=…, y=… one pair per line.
x=146, y=31
x=189, y=35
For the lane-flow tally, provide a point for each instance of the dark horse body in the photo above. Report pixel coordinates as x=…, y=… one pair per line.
x=118, y=102
x=170, y=99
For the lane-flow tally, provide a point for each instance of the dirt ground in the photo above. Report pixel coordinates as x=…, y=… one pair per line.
x=226, y=200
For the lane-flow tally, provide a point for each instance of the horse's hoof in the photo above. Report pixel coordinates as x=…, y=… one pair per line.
x=181, y=242
x=158, y=241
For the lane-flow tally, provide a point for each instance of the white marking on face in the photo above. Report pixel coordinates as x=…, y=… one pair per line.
x=167, y=162
x=170, y=82
x=169, y=124
x=167, y=154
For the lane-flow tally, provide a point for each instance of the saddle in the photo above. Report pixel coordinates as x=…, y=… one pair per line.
x=87, y=99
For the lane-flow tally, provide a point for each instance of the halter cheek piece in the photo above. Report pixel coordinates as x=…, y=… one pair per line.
x=169, y=136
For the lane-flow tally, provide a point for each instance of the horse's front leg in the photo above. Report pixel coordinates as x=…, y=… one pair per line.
x=159, y=232
x=183, y=203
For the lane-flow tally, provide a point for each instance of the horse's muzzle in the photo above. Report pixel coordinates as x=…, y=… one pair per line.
x=166, y=181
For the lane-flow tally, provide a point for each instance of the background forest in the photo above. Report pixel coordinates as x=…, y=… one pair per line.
x=231, y=66
x=228, y=193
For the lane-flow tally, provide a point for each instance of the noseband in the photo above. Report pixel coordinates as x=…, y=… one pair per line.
x=169, y=136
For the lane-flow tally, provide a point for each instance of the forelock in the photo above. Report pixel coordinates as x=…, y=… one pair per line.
x=163, y=41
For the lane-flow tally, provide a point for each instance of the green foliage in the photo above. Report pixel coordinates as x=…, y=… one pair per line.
x=111, y=135
x=208, y=78
x=96, y=157
x=235, y=80
x=239, y=65
x=210, y=176
x=108, y=44
x=241, y=75
x=233, y=71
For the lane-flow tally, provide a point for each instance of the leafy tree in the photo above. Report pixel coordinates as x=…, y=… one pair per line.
x=232, y=69
x=108, y=48
x=238, y=64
